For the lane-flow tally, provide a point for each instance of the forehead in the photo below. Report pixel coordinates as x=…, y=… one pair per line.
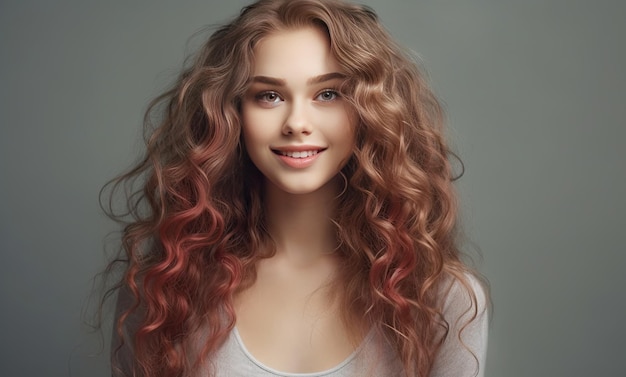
x=291, y=53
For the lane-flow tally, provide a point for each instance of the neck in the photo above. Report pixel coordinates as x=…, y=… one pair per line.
x=301, y=225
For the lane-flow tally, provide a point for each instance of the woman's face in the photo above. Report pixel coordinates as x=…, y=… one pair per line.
x=297, y=128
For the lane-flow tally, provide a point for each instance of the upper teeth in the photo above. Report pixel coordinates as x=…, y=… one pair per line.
x=302, y=154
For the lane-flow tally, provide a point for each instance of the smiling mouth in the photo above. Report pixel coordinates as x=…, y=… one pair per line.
x=298, y=154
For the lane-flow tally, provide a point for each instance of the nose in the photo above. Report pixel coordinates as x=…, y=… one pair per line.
x=297, y=121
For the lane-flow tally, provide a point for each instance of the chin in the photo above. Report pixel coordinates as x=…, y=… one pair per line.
x=299, y=190
x=305, y=188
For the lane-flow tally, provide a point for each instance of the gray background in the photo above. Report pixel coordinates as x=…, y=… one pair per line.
x=535, y=97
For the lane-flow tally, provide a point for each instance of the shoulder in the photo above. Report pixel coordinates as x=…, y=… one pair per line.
x=464, y=296
x=465, y=303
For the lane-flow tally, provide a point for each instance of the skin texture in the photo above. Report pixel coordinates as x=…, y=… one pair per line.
x=296, y=111
x=288, y=319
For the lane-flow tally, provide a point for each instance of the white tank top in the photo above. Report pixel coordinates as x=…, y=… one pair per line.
x=462, y=354
x=370, y=359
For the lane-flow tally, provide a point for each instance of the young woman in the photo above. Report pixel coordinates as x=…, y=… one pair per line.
x=296, y=215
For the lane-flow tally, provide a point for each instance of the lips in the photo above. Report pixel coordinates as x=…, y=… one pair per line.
x=298, y=156
x=298, y=151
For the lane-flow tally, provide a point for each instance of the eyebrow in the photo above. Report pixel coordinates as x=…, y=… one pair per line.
x=312, y=81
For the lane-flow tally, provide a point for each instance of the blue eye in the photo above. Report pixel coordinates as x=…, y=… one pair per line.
x=327, y=95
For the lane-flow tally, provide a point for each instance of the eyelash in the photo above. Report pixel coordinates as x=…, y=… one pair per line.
x=331, y=91
x=263, y=96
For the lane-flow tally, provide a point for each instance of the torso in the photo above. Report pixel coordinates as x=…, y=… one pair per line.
x=289, y=319
x=372, y=358
x=286, y=328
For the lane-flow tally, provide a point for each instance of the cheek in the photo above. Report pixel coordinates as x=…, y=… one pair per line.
x=342, y=129
x=251, y=127
x=253, y=140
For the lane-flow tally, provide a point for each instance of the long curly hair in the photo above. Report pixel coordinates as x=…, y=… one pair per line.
x=194, y=220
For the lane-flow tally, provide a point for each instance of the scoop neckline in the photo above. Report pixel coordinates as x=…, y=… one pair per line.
x=326, y=372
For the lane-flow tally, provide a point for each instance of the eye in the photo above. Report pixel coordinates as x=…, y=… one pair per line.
x=268, y=97
x=327, y=95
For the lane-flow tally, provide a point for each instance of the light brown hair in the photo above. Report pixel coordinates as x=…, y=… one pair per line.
x=197, y=221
